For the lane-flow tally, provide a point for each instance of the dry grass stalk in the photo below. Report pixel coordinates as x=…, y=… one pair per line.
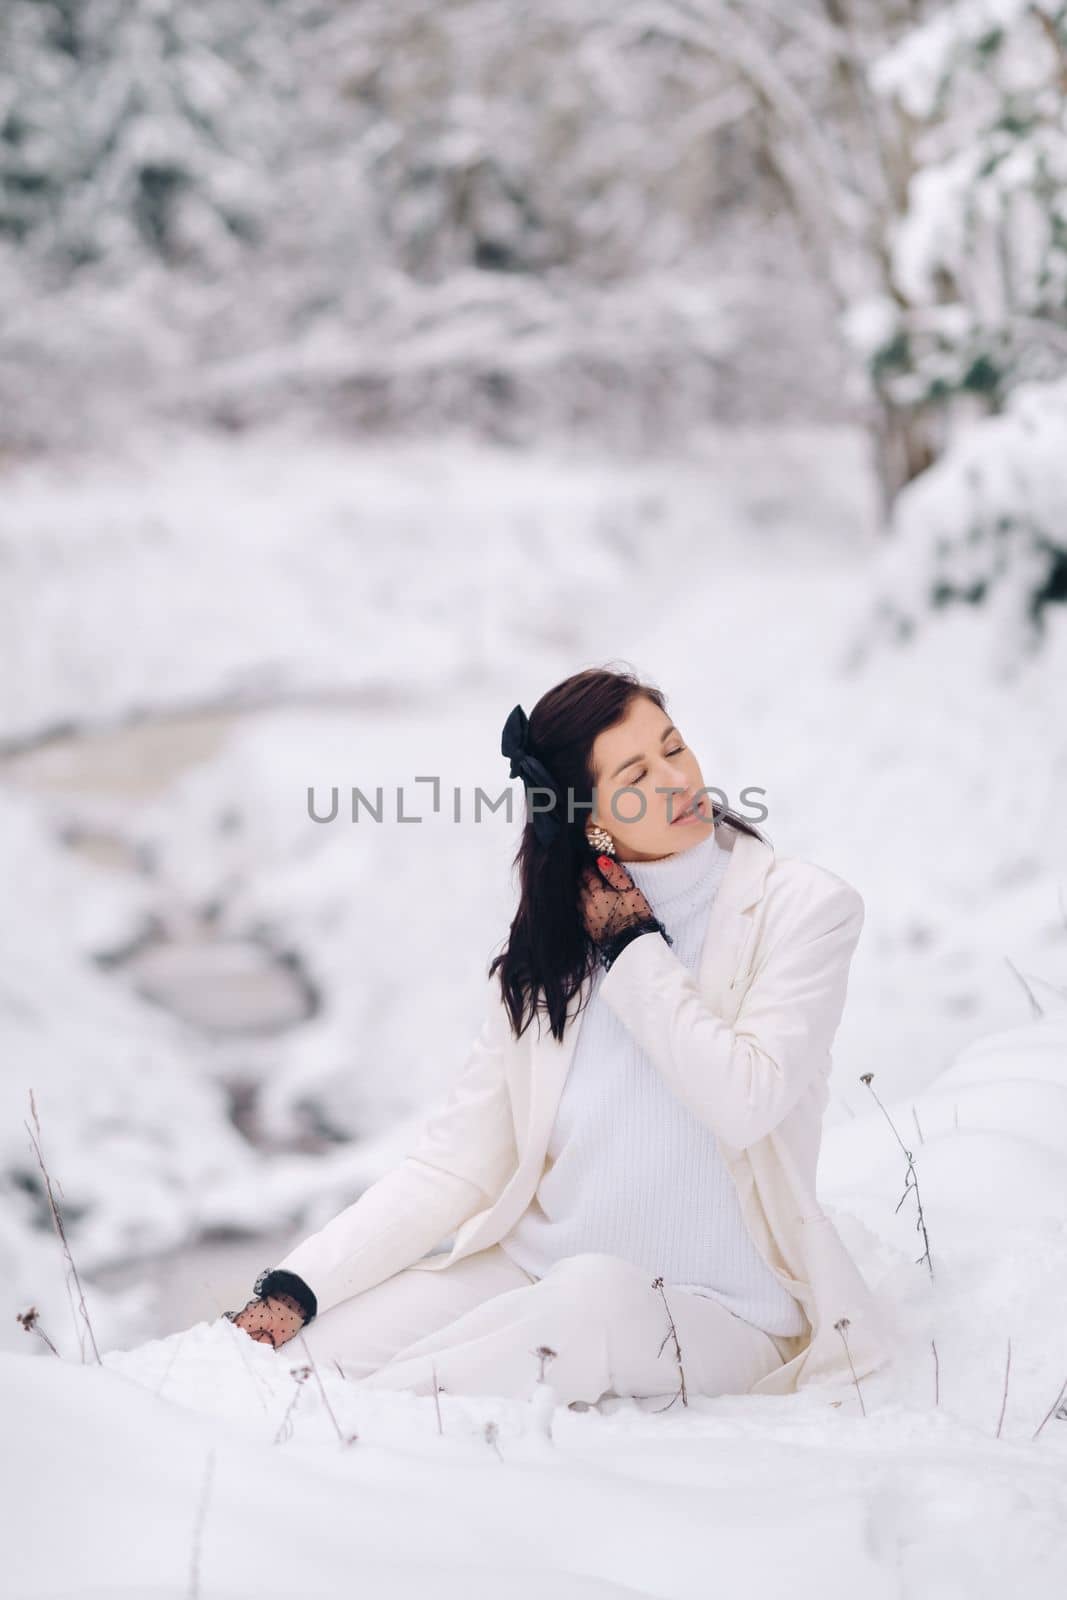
x=29, y=1321
x=1004, y=1398
x=544, y=1352
x=1054, y=1407
x=198, y=1531
x=352, y=1437
x=61, y=1231
x=238, y=1335
x=1036, y=1008
x=672, y=1332
x=436, y=1397
x=911, y=1180
x=170, y=1363
x=842, y=1325
x=285, y=1427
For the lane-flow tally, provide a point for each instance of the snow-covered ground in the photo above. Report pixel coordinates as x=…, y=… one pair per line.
x=284, y=613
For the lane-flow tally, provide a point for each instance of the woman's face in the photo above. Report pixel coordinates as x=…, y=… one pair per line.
x=645, y=757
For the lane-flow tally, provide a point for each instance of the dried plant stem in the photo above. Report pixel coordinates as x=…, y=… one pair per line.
x=672, y=1333
x=544, y=1352
x=1053, y=1407
x=238, y=1334
x=285, y=1427
x=30, y=1320
x=198, y=1531
x=911, y=1180
x=437, y=1397
x=60, y=1230
x=170, y=1363
x=842, y=1326
x=937, y=1374
x=325, y=1397
x=1004, y=1398
x=1036, y=1008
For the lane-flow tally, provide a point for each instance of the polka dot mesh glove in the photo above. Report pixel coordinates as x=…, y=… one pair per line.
x=282, y=1305
x=613, y=908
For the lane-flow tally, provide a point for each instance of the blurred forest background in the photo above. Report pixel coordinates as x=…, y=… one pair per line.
x=367, y=368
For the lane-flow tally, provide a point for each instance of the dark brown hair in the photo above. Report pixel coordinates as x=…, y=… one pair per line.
x=549, y=954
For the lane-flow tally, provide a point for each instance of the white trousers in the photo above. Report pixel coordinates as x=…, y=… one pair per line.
x=479, y=1323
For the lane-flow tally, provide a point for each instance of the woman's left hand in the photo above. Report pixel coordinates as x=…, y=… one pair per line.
x=272, y=1321
x=609, y=899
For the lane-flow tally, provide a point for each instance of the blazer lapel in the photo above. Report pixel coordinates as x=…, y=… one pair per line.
x=726, y=949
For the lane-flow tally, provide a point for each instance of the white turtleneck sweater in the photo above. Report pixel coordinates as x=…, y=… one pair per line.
x=630, y=1171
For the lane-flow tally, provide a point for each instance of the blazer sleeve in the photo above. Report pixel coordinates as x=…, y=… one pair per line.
x=742, y=1080
x=459, y=1162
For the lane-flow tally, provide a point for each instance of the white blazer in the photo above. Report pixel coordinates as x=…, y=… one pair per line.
x=744, y=1043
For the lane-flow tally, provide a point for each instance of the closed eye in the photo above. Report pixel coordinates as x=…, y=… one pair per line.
x=675, y=752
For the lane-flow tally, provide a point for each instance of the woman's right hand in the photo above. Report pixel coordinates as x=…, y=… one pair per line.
x=272, y=1321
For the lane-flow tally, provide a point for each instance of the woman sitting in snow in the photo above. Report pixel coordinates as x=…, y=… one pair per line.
x=631, y=1188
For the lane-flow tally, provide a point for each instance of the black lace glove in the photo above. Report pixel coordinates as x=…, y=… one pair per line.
x=613, y=908
x=283, y=1304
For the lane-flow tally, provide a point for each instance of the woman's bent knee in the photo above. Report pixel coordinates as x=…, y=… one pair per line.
x=597, y=1272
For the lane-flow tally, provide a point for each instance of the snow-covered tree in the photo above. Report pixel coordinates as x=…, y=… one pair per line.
x=923, y=150
x=454, y=208
x=976, y=299
x=133, y=129
x=986, y=525
x=969, y=345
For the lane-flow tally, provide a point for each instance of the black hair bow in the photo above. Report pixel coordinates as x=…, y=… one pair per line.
x=515, y=744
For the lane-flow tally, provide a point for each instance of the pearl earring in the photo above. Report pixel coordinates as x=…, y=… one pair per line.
x=600, y=840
